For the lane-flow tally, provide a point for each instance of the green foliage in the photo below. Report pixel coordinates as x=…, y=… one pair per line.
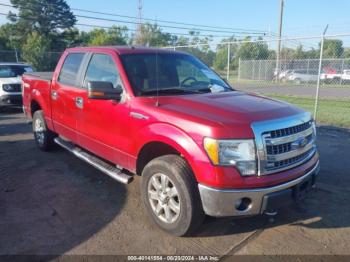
x=299, y=53
x=333, y=48
x=113, y=36
x=45, y=17
x=200, y=47
x=35, y=51
x=152, y=35
x=245, y=51
x=8, y=38
x=220, y=60
x=253, y=50
x=41, y=26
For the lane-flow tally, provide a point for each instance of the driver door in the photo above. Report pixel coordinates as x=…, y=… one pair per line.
x=103, y=124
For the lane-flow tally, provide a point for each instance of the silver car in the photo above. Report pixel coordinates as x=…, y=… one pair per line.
x=303, y=75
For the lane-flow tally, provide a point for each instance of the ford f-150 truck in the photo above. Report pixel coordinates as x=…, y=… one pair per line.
x=199, y=146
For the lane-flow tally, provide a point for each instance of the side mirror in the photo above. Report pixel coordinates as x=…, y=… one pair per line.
x=104, y=91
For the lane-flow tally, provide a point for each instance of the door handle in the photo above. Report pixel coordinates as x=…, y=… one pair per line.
x=54, y=95
x=79, y=102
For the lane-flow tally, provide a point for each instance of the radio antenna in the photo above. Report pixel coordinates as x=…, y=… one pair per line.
x=157, y=84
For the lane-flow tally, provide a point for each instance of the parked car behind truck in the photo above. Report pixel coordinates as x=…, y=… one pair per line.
x=303, y=76
x=10, y=83
x=200, y=147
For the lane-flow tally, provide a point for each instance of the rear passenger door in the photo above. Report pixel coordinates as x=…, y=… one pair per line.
x=63, y=95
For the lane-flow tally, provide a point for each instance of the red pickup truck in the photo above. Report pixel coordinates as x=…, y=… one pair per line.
x=199, y=146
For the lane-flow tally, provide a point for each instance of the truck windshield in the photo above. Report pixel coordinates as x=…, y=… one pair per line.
x=7, y=71
x=170, y=74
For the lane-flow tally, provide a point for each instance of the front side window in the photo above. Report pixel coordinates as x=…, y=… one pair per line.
x=102, y=68
x=167, y=73
x=70, y=69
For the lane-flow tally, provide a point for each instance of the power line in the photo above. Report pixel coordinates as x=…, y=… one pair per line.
x=128, y=29
x=135, y=30
x=167, y=26
x=163, y=21
x=170, y=22
x=173, y=27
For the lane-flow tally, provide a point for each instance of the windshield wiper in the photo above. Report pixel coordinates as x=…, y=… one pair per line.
x=173, y=91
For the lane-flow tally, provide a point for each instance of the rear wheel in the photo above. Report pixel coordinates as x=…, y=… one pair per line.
x=44, y=138
x=170, y=195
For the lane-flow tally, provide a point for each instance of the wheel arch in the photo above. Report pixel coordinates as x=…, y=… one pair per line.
x=34, y=106
x=152, y=150
x=161, y=139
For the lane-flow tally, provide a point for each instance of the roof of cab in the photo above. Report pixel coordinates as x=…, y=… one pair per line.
x=121, y=50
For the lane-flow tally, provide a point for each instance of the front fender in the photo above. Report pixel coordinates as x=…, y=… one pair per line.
x=182, y=142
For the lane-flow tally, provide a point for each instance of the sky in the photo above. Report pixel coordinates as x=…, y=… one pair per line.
x=301, y=17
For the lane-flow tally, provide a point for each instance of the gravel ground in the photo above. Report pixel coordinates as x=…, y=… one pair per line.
x=53, y=203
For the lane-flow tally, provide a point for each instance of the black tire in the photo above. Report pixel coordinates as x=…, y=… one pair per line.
x=191, y=214
x=44, y=138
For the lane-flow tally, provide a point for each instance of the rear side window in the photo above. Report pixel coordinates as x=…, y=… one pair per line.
x=102, y=68
x=70, y=68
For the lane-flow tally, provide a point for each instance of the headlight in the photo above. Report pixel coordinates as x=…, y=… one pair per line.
x=7, y=88
x=238, y=153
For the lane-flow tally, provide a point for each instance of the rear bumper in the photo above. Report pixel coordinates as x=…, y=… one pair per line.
x=10, y=100
x=247, y=202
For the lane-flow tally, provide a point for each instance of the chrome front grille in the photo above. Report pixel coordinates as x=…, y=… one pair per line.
x=290, y=161
x=284, y=143
x=284, y=148
x=290, y=130
x=14, y=88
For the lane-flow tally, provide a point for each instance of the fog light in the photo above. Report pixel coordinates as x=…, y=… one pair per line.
x=243, y=204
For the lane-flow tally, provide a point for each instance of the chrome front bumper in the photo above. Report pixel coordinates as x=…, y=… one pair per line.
x=221, y=203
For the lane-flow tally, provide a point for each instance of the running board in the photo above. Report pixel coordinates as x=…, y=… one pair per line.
x=96, y=162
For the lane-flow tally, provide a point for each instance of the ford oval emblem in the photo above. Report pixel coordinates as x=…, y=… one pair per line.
x=300, y=142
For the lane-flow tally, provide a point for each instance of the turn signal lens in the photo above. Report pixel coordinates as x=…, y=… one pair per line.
x=211, y=146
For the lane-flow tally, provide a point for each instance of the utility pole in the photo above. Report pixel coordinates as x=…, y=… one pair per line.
x=319, y=73
x=228, y=61
x=139, y=16
x=278, y=55
x=269, y=38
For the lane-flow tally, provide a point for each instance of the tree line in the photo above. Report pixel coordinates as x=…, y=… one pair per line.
x=41, y=29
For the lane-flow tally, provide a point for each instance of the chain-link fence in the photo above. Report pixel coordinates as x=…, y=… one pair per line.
x=301, y=74
x=43, y=62
x=9, y=56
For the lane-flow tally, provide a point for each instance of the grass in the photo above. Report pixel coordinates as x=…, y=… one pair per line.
x=335, y=112
x=266, y=83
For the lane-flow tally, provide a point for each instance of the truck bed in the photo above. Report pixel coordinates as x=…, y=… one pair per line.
x=40, y=83
x=42, y=75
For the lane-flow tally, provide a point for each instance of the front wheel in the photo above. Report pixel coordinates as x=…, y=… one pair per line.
x=170, y=195
x=44, y=138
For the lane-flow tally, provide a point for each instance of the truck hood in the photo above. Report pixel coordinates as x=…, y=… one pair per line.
x=229, y=110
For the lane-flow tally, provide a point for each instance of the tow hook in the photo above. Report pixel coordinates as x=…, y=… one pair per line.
x=271, y=215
